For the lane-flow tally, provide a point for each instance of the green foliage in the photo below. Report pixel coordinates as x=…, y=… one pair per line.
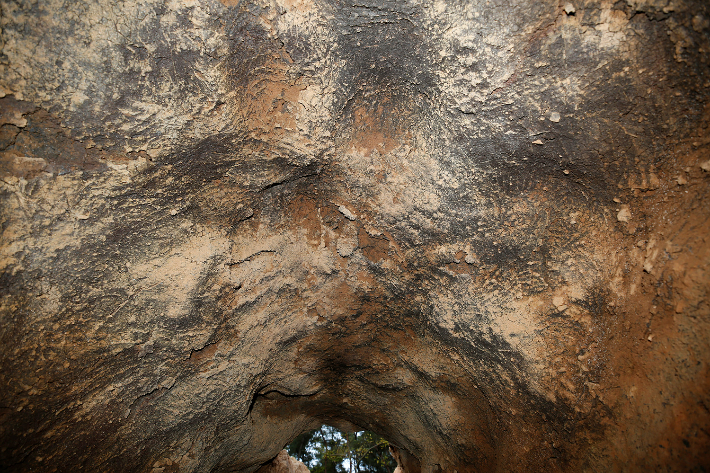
x=299, y=447
x=327, y=450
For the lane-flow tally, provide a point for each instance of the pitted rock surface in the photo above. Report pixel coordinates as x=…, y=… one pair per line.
x=479, y=229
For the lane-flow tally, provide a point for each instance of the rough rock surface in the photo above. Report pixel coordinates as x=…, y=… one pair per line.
x=283, y=463
x=479, y=229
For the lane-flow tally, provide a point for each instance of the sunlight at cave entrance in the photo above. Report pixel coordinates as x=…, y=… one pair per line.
x=328, y=450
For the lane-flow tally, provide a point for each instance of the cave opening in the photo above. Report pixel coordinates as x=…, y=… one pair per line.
x=330, y=450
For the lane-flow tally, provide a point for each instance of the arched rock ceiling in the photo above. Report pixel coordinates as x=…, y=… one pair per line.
x=477, y=228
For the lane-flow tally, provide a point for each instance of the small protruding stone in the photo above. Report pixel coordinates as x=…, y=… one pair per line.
x=569, y=9
x=471, y=258
x=624, y=214
x=558, y=302
x=648, y=266
x=347, y=213
x=555, y=117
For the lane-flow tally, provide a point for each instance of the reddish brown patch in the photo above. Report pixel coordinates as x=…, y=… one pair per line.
x=374, y=248
x=377, y=122
x=268, y=103
x=460, y=266
x=206, y=353
x=653, y=377
x=370, y=134
x=305, y=214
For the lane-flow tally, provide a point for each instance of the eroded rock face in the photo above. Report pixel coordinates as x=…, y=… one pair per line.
x=283, y=463
x=479, y=230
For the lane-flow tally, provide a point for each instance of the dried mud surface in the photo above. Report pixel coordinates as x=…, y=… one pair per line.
x=481, y=231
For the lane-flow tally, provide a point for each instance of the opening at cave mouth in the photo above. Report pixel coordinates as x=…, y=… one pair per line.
x=328, y=450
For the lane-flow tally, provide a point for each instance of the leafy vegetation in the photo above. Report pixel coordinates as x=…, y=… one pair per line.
x=327, y=450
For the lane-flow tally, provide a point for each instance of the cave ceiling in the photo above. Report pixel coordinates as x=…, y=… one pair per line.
x=479, y=229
